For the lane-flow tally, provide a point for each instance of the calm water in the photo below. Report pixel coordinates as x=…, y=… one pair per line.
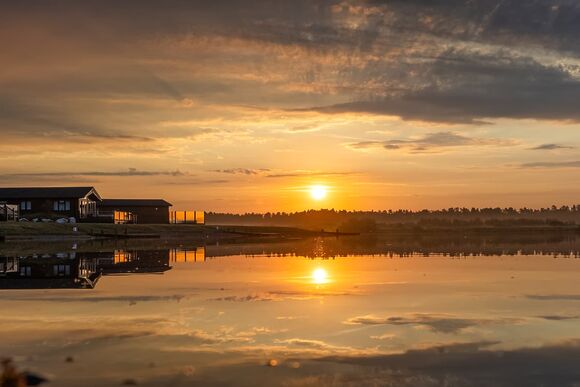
x=318, y=312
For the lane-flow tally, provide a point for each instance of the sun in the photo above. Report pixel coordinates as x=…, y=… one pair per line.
x=318, y=192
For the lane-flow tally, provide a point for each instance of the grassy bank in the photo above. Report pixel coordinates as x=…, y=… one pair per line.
x=55, y=231
x=28, y=230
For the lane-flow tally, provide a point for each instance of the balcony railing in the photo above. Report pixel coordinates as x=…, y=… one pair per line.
x=187, y=217
x=9, y=212
x=116, y=217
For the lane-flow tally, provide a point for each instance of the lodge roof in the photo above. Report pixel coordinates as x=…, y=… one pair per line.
x=47, y=193
x=135, y=203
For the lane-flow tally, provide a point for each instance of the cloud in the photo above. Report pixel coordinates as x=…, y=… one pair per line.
x=460, y=62
x=241, y=171
x=554, y=297
x=555, y=317
x=551, y=147
x=248, y=298
x=281, y=295
x=468, y=86
x=265, y=172
x=385, y=336
x=552, y=164
x=304, y=128
x=430, y=142
x=436, y=322
x=307, y=173
x=97, y=299
x=129, y=173
x=470, y=363
x=312, y=344
x=289, y=318
x=476, y=363
x=45, y=121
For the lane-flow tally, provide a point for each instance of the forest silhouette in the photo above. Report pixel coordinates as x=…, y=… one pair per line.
x=564, y=217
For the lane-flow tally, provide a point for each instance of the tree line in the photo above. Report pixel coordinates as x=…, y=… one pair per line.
x=331, y=218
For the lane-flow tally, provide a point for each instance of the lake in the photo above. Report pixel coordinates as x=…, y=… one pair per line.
x=348, y=311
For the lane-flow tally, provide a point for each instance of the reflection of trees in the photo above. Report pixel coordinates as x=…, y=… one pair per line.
x=459, y=217
x=452, y=246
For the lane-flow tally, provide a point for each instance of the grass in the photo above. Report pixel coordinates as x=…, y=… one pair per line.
x=29, y=229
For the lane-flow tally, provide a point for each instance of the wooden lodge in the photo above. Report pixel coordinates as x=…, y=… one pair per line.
x=144, y=211
x=64, y=202
x=84, y=204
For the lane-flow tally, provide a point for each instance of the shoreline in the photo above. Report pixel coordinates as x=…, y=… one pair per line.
x=24, y=231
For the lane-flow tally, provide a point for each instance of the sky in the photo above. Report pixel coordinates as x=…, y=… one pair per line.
x=242, y=106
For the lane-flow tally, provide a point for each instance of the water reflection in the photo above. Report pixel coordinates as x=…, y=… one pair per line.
x=306, y=312
x=65, y=270
x=319, y=276
x=83, y=270
x=83, y=265
x=565, y=245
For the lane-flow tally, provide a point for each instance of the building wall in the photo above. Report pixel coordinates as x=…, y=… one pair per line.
x=39, y=207
x=145, y=214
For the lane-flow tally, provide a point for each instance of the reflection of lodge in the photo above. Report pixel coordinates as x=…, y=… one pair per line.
x=187, y=255
x=66, y=270
x=133, y=262
x=83, y=269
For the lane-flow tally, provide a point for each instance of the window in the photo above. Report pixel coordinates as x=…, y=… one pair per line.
x=61, y=205
x=61, y=270
x=25, y=206
x=25, y=271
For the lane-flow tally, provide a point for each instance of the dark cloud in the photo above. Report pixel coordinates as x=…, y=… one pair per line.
x=437, y=323
x=470, y=364
x=466, y=86
x=429, y=142
x=129, y=173
x=281, y=295
x=189, y=182
x=270, y=174
x=551, y=147
x=248, y=298
x=312, y=344
x=555, y=317
x=307, y=173
x=554, y=297
x=538, y=23
x=42, y=120
x=96, y=299
x=457, y=62
x=552, y=164
x=241, y=171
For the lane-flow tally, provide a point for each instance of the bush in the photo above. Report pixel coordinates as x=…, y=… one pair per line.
x=360, y=225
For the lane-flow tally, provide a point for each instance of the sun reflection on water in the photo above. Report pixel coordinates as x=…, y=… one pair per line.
x=320, y=276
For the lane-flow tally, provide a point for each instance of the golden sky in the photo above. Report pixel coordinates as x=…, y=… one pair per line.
x=243, y=105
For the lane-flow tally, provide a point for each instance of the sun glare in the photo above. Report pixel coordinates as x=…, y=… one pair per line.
x=318, y=192
x=319, y=276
